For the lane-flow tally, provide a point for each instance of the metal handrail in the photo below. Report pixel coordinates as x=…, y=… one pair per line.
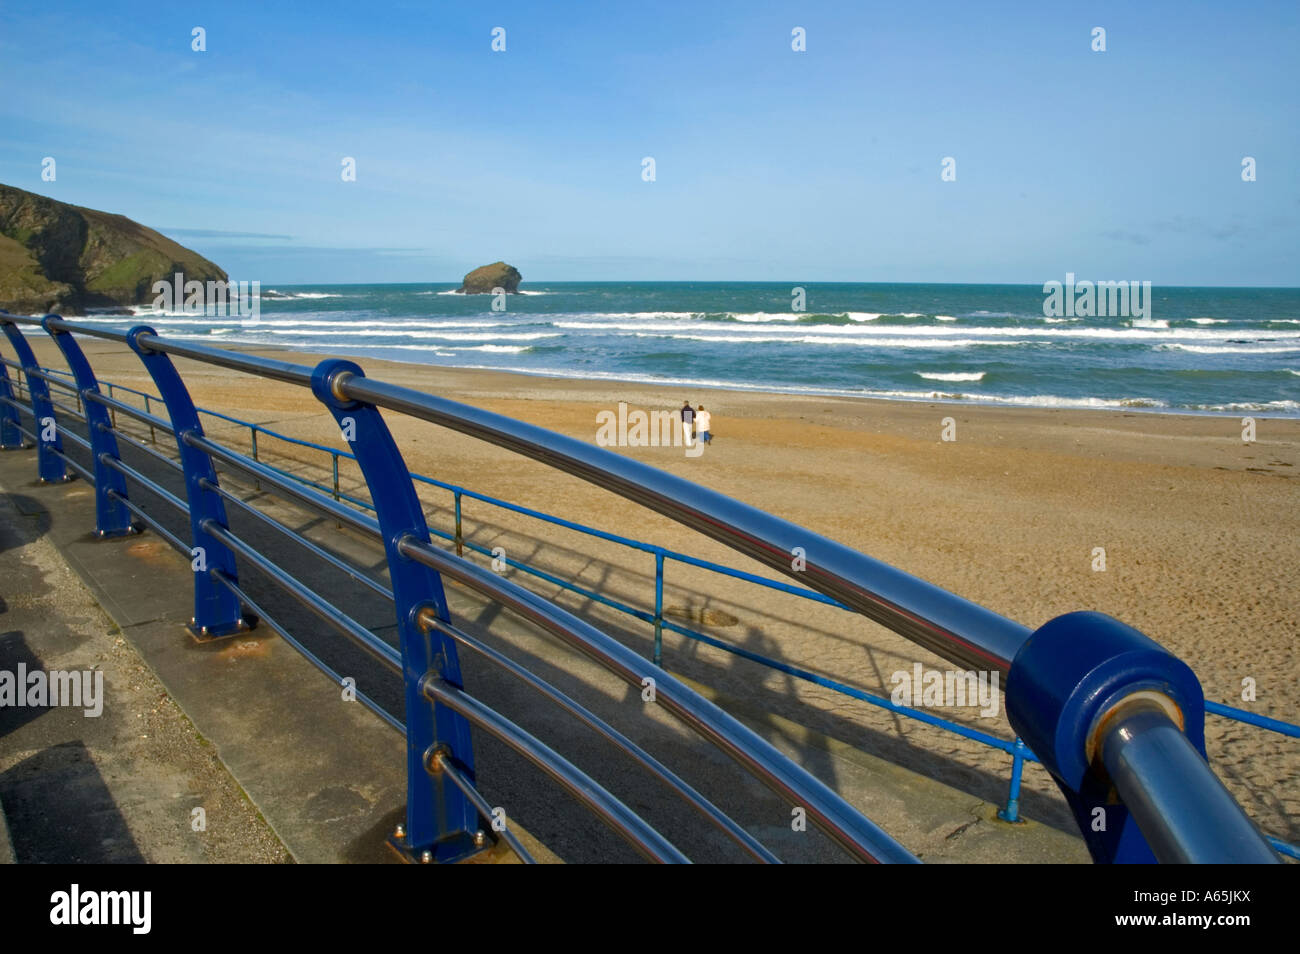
x=953, y=628
x=826, y=809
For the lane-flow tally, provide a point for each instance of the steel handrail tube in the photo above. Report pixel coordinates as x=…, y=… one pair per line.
x=1165, y=784
x=309, y=598
x=828, y=811
x=481, y=805
x=320, y=553
x=161, y=492
x=285, y=371
x=146, y=449
x=144, y=417
x=948, y=625
x=319, y=502
x=576, y=782
x=588, y=718
x=152, y=523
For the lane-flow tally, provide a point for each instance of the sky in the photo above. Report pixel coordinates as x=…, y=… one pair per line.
x=770, y=164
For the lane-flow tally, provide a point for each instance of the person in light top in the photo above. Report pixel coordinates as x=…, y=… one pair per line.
x=703, y=421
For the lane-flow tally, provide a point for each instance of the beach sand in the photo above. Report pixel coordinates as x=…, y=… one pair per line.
x=1201, y=535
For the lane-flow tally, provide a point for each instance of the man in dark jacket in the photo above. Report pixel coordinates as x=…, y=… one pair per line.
x=688, y=422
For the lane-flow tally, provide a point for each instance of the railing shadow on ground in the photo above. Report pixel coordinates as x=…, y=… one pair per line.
x=722, y=670
x=623, y=583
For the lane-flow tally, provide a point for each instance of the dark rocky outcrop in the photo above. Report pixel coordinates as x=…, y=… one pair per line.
x=60, y=257
x=482, y=280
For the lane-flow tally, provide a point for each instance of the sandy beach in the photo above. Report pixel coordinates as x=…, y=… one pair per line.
x=1200, y=530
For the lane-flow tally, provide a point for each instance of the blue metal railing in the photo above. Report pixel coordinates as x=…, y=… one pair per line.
x=1015, y=748
x=1083, y=689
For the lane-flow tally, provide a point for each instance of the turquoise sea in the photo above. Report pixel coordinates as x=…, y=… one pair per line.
x=1216, y=350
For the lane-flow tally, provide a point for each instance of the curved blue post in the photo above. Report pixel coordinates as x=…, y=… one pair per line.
x=112, y=518
x=50, y=466
x=441, y=823
x=11, y=438
x=216, y=608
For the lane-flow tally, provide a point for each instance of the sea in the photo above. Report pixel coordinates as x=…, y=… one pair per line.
x=1201, y=350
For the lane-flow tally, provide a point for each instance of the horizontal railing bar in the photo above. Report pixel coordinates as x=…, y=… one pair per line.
x=670, y=778
x=45, y=376
x=311, y=657
x=856, y=834
x=60, y=325
x=324, y=505
x=72, y=412
x=76, y=439
x=946, y=624
x=309, y=597
x=145, y=448
x=481, y=805
x=519, y=509
x=144, y=417
x=920, y=715
x=87, y=475
x=285, y=371
x=1291, y=851
x=128, y=471
x=312, y=548
x=1163, y=781
x=624, y=608
x=1250, y=718
x=571, y=778
x=154, y=525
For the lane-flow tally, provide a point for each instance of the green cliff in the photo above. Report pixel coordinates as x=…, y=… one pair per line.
x=60, y=257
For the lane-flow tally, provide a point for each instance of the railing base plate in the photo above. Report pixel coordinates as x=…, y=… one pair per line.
x=210, y=634
x=130, y=531
x=449, y=852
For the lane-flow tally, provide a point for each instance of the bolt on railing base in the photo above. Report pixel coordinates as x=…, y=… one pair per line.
x=133, y=530
x=211, y=634
x=450, y=852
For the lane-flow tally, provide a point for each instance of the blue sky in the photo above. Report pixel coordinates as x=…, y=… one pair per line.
x=770, y=164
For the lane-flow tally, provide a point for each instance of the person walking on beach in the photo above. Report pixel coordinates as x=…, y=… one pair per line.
x=688, y=420
x=703, y=420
